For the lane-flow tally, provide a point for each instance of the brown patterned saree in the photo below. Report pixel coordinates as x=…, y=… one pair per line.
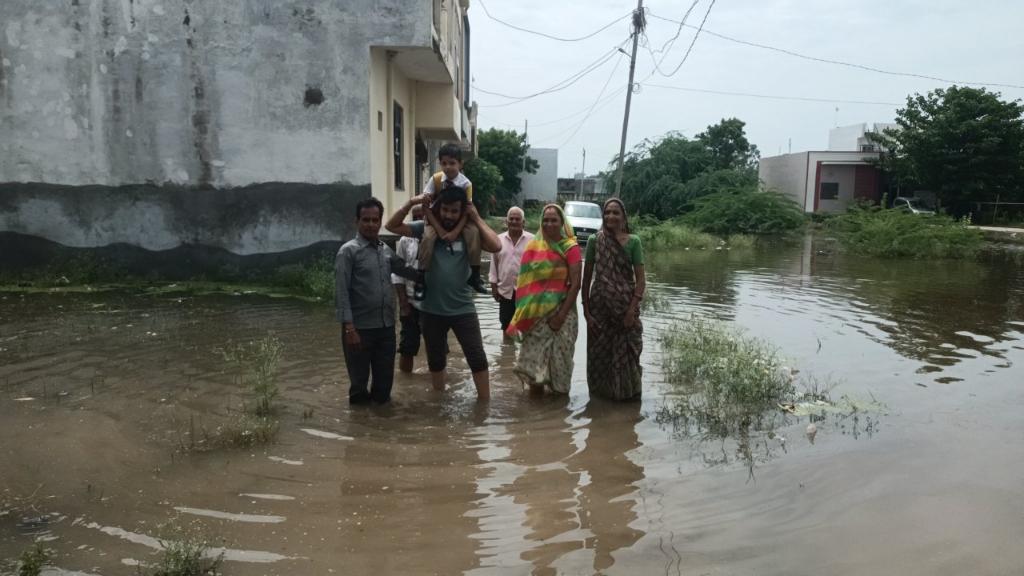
x=613, y=351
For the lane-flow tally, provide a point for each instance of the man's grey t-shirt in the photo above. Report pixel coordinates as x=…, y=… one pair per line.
x=448, y=294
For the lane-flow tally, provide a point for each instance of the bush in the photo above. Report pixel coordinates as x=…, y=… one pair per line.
x=895, y=234
x=674, y=234
x=746, y=212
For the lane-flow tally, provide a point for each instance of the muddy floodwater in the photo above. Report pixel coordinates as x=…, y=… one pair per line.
x=100, y=393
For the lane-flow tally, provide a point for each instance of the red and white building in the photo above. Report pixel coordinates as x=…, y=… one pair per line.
x=829, y=180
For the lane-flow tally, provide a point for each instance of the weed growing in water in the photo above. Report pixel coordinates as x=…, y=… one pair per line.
x=884, y=233
x=186, y=554
x=32, y=561
x=727, y=378
x=257, y=363
x=245, y=430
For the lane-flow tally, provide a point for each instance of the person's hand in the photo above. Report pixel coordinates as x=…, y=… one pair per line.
x=494, y=293
x=420, y=199
x=406, y=310
x=631, y=318
x=474, y=215
x=352, y=339
x=450, y=236
x=556, y=321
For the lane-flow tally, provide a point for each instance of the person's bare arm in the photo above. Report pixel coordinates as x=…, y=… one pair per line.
x=588, y=277
x=633, y=312
x=489, y=241
x=453, y=234
x=558, y=319
x=397, y=223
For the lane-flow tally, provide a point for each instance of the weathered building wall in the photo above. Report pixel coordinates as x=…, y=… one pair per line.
x=163, y=122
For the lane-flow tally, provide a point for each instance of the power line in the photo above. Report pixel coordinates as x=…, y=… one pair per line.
x=562, y=85
x=549, y=36
x=594, y=105
x=692, y=42
x=840, y=62
x=668, y=44
x=772, y=96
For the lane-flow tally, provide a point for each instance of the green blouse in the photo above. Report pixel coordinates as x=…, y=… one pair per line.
x=634, y=250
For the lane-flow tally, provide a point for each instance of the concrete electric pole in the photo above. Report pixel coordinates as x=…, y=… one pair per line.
x=639, y=23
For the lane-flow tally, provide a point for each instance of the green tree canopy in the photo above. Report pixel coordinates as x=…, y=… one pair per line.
x=506, y=150
x=663, y=178
x=486, y=179
x=964, y=144
x=728, y=146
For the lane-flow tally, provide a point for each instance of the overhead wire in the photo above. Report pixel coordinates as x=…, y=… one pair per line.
x=593, y=106
x=771, y=96
x=692, y=42
x=840, y=62
x=549, y=36
x=559, y=86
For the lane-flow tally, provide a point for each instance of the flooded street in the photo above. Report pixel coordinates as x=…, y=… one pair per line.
x=101, y=394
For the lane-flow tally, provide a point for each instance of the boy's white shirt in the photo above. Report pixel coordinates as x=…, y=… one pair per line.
x=460, y=181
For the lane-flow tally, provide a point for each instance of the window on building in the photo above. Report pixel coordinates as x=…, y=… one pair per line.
x=399, y=147
x=867, y=148
x=829, y=191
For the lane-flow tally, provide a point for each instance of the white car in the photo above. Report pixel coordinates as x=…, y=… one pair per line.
x=585, y=217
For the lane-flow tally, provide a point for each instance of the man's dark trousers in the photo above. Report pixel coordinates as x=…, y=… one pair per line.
x=375, y=355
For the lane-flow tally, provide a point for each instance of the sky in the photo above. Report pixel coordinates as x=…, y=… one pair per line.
x=949, y=39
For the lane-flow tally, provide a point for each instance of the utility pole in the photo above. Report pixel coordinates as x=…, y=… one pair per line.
x=583, y=175
x=639, y=23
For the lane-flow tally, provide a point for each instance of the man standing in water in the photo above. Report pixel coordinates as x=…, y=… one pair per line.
x=365, y=305
x=448, y=304
x=505, y=265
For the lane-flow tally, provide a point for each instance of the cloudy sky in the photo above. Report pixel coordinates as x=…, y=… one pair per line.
x=951, y=39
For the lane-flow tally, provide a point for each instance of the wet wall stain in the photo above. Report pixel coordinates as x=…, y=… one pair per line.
x=206, y=218
x=201, y=118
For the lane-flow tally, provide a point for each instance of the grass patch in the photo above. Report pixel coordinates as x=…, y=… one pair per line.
x=873, y=231
x=32, y=561
x=734, y=388
x=727, y=380
x=245, y=430
x=677, y=234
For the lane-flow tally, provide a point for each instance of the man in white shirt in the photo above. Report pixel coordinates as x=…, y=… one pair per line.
x=408, y=307
x=505, y=265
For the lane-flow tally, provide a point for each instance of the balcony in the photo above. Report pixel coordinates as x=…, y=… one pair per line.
x=439, y=114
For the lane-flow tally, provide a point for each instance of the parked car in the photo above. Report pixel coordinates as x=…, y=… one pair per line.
x=585, y=218
x=912, y=206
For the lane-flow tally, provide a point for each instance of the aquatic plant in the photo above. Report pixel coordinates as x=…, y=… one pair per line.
x=727, y=381
x=673, y=234
x=257, y=362
x=33, y=560
x=872, y=231
x=245, y=430
x=186, y=554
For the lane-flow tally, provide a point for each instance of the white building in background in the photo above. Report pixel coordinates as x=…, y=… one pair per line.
x=542, y=186
x=830, y=180
x=854, y=138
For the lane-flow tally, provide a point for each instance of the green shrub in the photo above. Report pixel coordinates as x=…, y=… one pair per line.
x=895, y=234
x=318, y=278
x=746, y=212
x=187, y=554
x=674, y=234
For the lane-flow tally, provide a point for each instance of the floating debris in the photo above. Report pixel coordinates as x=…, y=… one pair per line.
x=285, y=461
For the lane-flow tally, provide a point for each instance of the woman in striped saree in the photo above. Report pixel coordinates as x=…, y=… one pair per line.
x=546, y=319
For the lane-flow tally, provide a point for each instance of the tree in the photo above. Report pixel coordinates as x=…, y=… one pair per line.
x=663, y=178
x=506, y=150
x=728, y=146
x=486, y=179
x=964, y=144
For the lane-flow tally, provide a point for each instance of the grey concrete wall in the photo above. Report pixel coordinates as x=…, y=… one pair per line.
x=197, y=101
x=541, y=186
x=787, y=174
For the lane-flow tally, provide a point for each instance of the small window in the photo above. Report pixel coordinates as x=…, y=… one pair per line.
x=867, y=148
x=829, y=191
x=399, y=147
x=380, y=121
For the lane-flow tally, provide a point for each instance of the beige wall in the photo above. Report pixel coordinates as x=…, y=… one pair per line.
x=402, y=91
x=844, y=175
